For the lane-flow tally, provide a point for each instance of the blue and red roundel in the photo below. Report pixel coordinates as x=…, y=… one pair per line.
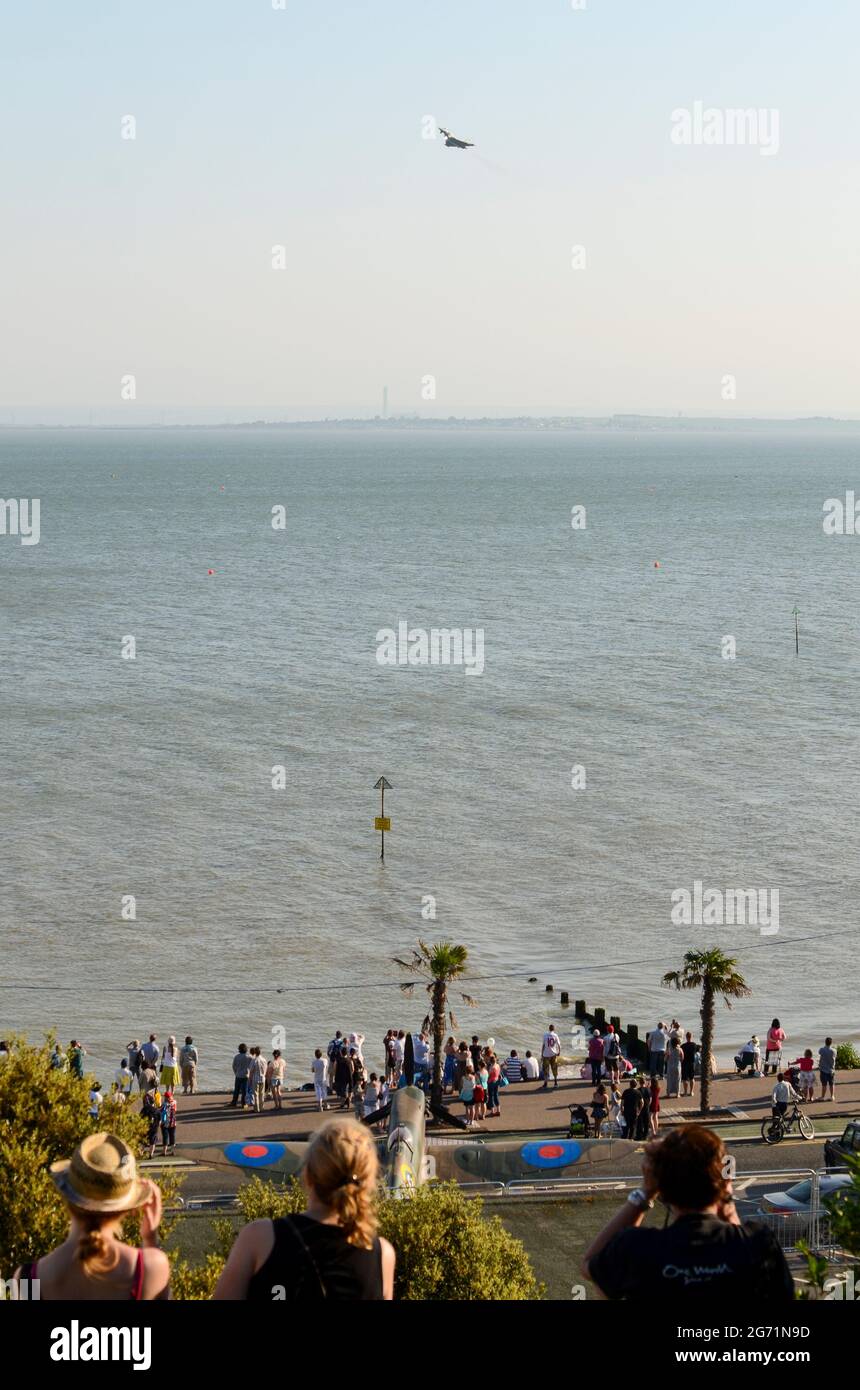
x=550, y=1153
x=254, y=1155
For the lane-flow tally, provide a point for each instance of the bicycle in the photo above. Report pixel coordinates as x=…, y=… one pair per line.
x=778, y=1126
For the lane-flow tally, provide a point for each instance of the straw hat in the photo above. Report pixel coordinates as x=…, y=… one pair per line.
x=101, y=1175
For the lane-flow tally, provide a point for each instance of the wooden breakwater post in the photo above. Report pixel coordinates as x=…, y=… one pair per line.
x=633, y=1045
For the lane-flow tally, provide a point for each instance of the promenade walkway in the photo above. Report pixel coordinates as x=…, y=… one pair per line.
x=207, y=1118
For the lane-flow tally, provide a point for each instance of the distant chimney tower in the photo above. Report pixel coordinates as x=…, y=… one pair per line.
x=385, y=402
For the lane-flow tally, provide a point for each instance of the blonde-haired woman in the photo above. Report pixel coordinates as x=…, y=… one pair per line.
x=332, y=1249
x=100, y=1186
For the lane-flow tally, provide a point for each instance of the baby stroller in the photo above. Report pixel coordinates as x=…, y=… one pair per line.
x=580, y=1125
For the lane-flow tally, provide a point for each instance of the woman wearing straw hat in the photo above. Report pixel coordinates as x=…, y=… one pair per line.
x=331, y=1250
x=100, y=1186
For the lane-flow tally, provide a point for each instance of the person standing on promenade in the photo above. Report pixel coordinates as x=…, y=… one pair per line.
x=277, y=1071
x=688, y=1065
x=631, y=1104
x=657, y=1039
x=612, y=1054
x=241, y=1066
x=188, y=1059
x=343, y=1078
x=150, y=1109
x=599, y=1108
x=170, y=1065
x=167, y=1120
x=147, y=1079
x=134, y=1059
x=596, y=1049
x=674, y=1058
x=643, y=1121
x=333, y=1051
x=100, y=1186
x=77, y=1053
x=654, y=1112
x=257, y=1080
x=332, y=1249
x=806, y=1080
x=550, y=1052
x=390, y=1055
x=773, y=1046
x=462, y=1062
x=736, y=1263
x=319, y=1071
x=372, y=1092
x=149, y=1052
x=494, y=1081
x=449, y=1067
x=96, y=1099
x=827, y=1067
x=123, y=1079
x=58, y=1061
x=467, y=1095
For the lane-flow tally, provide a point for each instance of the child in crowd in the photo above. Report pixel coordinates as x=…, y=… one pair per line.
x=479, y=1094
x=806, y=1080
x=467, y=1095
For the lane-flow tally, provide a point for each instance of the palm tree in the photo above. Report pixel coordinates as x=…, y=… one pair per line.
x=716, y=976
x=439, y=964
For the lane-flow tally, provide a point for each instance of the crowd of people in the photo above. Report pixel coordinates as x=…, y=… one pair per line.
x=625, y=1100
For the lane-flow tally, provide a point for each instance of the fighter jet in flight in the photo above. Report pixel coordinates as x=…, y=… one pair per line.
x=453, y=142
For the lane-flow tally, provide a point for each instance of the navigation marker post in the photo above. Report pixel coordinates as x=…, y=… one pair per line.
x=796, y=634
x=382, y=822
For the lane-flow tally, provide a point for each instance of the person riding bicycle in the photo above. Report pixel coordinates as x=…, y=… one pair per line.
x=782, y=1095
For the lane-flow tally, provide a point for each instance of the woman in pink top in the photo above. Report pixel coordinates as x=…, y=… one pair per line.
x=773, y=1046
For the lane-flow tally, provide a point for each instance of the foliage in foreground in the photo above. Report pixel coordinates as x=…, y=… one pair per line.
x=446, y=1248
x=44, y=1115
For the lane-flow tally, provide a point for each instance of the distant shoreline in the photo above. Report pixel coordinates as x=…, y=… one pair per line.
x=627, y=423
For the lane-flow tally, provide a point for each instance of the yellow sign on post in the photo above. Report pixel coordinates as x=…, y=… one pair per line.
x=382, y=822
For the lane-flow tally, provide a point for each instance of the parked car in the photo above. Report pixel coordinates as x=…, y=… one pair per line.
x=836, y=1150
x=790, y=1211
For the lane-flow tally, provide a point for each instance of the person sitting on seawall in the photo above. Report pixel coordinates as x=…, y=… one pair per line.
x=706, y=1252
x=100, y=1187
x=531, y=1071
x=332, y=1249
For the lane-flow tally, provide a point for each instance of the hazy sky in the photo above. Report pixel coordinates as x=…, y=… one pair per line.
x=302, y=127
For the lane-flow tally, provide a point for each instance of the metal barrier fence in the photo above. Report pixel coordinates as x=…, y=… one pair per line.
x=810, y=1222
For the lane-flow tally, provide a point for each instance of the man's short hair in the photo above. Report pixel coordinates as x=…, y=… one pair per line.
x=688, y=1167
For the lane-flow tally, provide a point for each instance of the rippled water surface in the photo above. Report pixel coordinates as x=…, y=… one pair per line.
x=152, y=777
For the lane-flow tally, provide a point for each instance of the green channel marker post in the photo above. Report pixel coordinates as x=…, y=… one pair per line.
x=382, y=822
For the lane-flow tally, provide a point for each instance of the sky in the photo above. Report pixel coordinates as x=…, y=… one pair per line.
x=138, y=283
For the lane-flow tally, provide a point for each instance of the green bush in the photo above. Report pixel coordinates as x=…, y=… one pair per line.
x=44, y=1115
x=847, y=1057
x=446, y=1249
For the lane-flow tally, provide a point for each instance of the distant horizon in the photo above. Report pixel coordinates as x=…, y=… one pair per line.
x=559, y=420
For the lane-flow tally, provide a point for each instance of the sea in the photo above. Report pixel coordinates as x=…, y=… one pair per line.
x=195, y=716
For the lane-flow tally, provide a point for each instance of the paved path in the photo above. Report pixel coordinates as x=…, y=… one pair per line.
x=526, y=1107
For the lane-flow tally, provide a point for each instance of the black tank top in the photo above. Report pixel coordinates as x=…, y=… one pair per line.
x=313, y=1261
